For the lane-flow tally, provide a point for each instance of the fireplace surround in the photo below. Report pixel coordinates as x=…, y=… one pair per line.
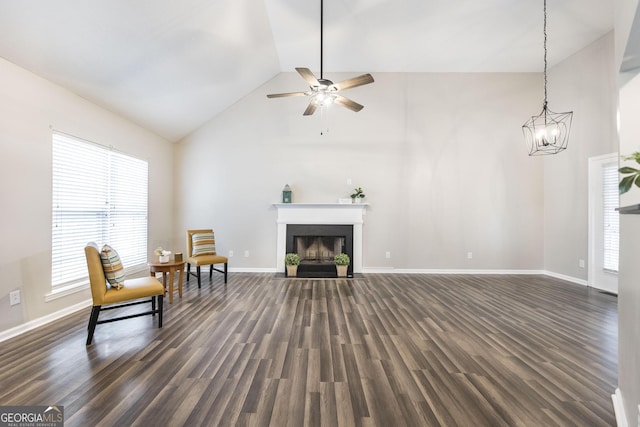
x=321, y=214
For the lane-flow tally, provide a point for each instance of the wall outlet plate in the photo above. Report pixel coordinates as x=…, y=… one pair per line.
x=14, y=297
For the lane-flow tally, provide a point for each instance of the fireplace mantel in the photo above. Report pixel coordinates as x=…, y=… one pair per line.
x=320, y=213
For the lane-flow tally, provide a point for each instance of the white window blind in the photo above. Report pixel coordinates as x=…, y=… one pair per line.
x=611, y=216
x=98, y=196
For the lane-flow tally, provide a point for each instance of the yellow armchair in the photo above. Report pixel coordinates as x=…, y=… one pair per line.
x=130, y=294
x=210, y=258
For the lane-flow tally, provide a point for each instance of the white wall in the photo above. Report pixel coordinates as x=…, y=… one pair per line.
x=29, y=107
x=587, y=84
x=441, y=158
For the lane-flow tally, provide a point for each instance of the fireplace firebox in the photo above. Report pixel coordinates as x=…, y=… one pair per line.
x=317, y=244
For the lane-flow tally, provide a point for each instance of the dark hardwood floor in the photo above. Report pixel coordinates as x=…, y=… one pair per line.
x=380, y=350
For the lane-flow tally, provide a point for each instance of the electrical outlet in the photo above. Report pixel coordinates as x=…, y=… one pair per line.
x=469, y=255
x=246, y=254
x=14, y=297
x=230, y=254
x=387, y=254
x=581, y=263
x=348, y=181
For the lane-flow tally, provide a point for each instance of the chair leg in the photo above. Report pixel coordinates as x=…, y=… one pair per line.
x=188, y=271
x=225, y=273
x=93, y=321
x=210, y=271
x=153, y=306
x=160, y=299
x=198, y=271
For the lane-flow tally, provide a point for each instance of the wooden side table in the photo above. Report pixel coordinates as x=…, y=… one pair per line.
x=168, y=267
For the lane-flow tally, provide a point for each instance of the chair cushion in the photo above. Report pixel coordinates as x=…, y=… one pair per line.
x=112, y=266
x=140, y=287
x=207, y=260
x=203, y=244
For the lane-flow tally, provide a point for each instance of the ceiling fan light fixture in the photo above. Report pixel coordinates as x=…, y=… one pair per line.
x=323, y=99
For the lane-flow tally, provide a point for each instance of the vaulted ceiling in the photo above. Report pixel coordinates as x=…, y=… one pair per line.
x=171, y=65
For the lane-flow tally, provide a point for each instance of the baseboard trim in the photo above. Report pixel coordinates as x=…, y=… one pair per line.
x=567, y=278
x=252, y=270
x=618, y=408
x=32, y=324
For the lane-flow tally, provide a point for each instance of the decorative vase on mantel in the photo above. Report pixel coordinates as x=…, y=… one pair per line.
x=357, y=195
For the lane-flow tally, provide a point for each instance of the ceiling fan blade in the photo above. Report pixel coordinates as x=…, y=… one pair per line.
x=345, y=102
x=354, y=82
x=308, y=76
x=311, y=108
x=282, y=95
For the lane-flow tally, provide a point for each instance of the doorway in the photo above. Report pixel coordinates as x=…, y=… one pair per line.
x=604, y=223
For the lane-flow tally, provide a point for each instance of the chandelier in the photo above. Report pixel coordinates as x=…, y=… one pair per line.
x=548, y=132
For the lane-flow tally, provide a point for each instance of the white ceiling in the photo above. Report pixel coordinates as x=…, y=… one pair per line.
x=171, y=65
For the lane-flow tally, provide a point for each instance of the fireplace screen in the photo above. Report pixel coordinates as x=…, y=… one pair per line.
x=318, y=249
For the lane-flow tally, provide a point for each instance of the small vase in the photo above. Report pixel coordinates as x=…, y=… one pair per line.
x=292, y=270
x=342, y=270
x=358, y=200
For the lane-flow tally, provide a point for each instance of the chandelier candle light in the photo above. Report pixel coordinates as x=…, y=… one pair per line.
x=548, y=132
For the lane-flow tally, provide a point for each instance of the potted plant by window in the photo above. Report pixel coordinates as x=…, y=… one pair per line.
x=292, y=260
x=357, y=195
x=342, y=264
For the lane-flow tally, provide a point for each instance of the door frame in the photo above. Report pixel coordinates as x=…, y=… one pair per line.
x=595, y=190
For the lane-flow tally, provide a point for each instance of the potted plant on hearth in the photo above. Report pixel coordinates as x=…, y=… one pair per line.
x=292, y=260
x=357, y=195
x=342, y=264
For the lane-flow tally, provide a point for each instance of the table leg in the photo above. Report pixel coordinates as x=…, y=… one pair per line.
x=180, y=278
x=171, y=272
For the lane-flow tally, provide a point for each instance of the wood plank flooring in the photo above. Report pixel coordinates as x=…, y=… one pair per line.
x=379, y=350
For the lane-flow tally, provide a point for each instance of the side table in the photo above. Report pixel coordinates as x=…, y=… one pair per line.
x=168, y=267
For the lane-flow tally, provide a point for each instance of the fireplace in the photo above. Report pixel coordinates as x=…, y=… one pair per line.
x=317, y=244
x=326, y=214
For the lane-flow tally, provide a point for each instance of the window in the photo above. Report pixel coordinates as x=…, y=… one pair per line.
x=99, y=195
x=611, y=216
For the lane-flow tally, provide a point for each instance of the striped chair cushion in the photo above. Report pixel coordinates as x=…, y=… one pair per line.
x=112, y=266
x=203, y=244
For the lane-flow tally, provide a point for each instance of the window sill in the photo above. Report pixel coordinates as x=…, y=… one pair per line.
x=63, y=291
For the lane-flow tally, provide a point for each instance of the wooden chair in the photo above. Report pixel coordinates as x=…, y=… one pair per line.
x=130, y=294
x=209, y=258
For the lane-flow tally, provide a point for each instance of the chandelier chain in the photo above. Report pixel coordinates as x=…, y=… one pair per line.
x=545, y=53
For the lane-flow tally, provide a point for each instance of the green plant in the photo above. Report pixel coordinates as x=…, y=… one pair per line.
x=291, y=259
x=358, y=194
x=341, y=259
x=633, y=173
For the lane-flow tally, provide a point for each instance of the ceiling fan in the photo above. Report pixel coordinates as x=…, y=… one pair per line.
x=323, y=91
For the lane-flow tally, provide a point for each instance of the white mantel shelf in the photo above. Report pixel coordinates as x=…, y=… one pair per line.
x=321, y=213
